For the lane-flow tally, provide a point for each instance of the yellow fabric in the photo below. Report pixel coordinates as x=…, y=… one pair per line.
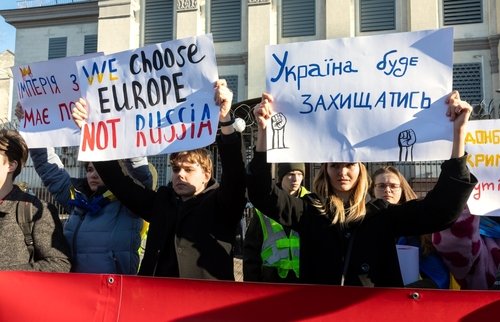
x=144, y=230
x=108, y=194
x=453, y=283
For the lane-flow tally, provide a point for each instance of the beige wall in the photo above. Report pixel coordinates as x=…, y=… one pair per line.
x=6, y=62
x=263, y=28
x=118, y=26
x=423, y=14
x=32, y=44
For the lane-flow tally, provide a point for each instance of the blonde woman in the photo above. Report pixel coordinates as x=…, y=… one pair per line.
x=344, y=239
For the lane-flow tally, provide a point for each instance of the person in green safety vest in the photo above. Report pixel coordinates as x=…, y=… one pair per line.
x=270, y=250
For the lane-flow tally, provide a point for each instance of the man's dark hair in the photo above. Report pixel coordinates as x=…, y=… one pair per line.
x=14, y=146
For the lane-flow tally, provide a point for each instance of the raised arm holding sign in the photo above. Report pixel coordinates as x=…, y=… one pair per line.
x=152, y=100
x=337, y=213
x=371, y=98
x=193, y=219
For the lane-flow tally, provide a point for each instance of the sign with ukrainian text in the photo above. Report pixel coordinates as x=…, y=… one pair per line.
x=152, y=100
x=47, y=92
x=482, y=144
x=373, y=98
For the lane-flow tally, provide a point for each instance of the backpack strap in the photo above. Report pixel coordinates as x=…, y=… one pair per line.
x=24, y=219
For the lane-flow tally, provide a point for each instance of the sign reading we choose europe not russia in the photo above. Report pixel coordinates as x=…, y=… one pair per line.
x=152, y=100
x=369, y=98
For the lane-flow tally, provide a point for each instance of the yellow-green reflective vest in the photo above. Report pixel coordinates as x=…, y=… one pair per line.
x=278, y=249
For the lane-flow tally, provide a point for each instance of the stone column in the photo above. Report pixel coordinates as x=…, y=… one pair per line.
x=424, y=14
x=339, y=19
x=262, y=31
x=189, y=19
x=118, y=25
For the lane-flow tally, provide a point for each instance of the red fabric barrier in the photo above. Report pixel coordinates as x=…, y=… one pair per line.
x=28, y=296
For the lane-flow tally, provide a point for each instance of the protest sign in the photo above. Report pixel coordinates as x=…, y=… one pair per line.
x=152, y=100
x=482, y=144
x=372, y=98
x=47, y=91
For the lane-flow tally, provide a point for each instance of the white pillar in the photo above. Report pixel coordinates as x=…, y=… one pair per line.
x=118, y=26
x=261, y=32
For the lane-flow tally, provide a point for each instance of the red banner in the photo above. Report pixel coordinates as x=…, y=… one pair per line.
x=28, y=296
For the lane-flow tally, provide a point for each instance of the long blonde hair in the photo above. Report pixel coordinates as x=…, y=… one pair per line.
x=356, y=210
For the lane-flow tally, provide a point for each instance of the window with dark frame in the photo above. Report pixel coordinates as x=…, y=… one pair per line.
x=298, y=18
x=460, y=12
x=90, y=44
x=468, y=80
x=225, y=20
x=232, y=83
x=58, y=47
x=158, y=21
x=377, y=15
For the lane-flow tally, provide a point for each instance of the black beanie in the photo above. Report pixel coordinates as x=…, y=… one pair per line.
x=284, y=168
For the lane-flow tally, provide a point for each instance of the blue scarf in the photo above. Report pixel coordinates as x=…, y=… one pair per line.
x=489, y=227
x=92, y=206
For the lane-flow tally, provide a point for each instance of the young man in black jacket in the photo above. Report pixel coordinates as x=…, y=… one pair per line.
x=193, y=220
x=271, y=251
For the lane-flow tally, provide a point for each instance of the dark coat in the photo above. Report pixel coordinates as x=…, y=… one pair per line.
x=193, y=238
x=102, y=241
x=51, y=252
x=366, y=250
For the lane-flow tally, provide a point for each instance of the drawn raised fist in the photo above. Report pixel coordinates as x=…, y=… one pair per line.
x=278, y=121
x=406, y=140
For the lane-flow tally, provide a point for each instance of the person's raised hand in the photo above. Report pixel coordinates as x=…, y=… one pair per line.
x=458, y=111
x=19, y=111
x=80, y=113
x=223, y=98
x=263, y=111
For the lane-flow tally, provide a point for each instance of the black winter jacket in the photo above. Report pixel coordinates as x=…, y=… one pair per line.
x=193, y=238
x=366, y=250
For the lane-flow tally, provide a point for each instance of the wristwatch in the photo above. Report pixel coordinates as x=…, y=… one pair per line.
x=227, y=123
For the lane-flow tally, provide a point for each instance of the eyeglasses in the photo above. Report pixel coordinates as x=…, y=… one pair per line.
x=391, y=186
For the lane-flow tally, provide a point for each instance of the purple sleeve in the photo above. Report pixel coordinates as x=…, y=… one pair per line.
x=472, y=259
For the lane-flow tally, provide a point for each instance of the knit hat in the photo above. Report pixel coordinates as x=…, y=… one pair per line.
x=284, y=168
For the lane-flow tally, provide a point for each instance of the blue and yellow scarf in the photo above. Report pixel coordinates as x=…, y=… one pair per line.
x=90, y=206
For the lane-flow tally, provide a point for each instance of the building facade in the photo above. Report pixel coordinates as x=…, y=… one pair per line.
x=241, y=30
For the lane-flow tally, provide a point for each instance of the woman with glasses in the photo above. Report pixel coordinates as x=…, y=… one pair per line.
x=390, y=185
x=346, y=240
